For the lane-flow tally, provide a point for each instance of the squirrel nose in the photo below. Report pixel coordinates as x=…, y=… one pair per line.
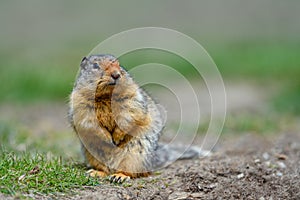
x=115, y=75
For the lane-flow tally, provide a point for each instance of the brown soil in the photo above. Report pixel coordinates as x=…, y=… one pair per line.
x=250, y=167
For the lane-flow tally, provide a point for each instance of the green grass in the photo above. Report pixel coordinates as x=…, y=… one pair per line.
x=19, y=155
x=53, y=175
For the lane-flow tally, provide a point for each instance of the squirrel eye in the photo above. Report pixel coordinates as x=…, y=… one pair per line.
x=95, y=66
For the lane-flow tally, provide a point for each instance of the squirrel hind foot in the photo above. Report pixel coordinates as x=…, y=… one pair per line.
x=96, y=173
x=118, y=178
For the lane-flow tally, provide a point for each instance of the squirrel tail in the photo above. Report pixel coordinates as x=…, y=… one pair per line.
x=165, y=154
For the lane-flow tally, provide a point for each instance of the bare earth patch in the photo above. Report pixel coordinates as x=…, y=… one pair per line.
x=261, y=169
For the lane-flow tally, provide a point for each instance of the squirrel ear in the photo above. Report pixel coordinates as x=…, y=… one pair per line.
x=83, y=62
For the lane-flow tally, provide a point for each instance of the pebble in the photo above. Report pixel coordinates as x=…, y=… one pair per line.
x=281, y=165
x=266, y=156
x=213, y=185
x=240, y=176
x=268, y=163
x=257, y=161
x=278, y=174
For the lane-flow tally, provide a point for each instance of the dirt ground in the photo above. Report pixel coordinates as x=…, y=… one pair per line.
x=248, y=167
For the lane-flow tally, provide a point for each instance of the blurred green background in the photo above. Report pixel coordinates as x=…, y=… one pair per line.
x=253, y=43
x=42, y=42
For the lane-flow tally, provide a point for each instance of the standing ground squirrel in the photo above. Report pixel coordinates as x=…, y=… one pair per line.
x=118, y=123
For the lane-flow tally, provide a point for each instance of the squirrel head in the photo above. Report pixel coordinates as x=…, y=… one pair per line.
x=103, y=70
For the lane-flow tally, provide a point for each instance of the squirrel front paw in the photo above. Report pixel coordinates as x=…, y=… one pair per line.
x=120, y=138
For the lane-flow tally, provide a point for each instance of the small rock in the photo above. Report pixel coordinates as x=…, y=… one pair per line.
x=199, y=187
x=257, y=161
x=266, y=156
x=268, y=163
x=240, y=176
x=213, y=185
x=261, y=198
x=278, y=174
x=126, y=196
x=281, y=165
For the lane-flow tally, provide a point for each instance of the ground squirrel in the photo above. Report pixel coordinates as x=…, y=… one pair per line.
x=118, y=123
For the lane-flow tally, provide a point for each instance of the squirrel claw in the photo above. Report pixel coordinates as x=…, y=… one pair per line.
x=118, y=178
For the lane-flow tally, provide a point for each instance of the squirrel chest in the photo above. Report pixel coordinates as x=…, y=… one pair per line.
x=104, y=114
